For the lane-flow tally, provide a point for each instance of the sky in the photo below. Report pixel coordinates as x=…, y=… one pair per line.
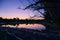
x=9, y=9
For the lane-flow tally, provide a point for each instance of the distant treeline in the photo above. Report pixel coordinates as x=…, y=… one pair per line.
x=17, y=20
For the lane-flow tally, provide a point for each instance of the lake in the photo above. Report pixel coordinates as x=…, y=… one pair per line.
x=27, y=26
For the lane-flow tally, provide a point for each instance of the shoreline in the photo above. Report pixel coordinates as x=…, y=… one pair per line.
x=27, y=34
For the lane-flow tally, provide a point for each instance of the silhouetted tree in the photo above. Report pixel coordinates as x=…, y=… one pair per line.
x=51, y=7
x=1, y=18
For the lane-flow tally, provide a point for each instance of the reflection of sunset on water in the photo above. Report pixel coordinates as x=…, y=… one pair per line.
x=32, y=26
x=28, y=26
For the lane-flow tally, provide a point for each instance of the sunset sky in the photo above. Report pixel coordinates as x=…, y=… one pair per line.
x=9, y=9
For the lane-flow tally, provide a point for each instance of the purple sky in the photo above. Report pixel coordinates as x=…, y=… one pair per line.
x=9, y=9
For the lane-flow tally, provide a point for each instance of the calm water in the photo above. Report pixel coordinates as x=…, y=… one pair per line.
x=28, y=26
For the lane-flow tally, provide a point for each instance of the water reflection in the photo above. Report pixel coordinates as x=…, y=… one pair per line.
x=28, y=26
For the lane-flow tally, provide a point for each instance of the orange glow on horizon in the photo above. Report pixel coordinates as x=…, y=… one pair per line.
x=24, y=18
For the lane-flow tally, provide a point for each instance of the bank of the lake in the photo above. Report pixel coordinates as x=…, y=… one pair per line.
x=7, y=33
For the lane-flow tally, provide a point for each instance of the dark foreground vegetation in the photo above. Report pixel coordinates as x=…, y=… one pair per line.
x=27, y=34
